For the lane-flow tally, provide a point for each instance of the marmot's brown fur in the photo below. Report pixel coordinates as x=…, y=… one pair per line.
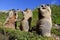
x=11, y=20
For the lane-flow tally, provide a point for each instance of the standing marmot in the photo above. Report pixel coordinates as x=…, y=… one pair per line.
x=26, y=21
x=44, y=24
x=11, y=20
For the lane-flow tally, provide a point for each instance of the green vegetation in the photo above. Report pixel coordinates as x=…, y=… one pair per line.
x=56, y=31
x=21, y=35
x=56, y=14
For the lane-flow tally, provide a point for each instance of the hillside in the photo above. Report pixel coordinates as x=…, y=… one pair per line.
x=20, y=35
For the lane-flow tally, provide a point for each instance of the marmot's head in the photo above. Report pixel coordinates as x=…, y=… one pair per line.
x=12, y=12
x=27, y=10
x=45, y=9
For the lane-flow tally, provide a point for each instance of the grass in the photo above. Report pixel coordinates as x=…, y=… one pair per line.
x=55, y=31
x=21, y=35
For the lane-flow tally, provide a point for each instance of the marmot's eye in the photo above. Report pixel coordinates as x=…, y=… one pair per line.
x=48, y=5
x=41, y=5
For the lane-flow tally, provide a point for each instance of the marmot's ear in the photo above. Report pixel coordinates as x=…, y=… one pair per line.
x=48, y=5
x=27, y=9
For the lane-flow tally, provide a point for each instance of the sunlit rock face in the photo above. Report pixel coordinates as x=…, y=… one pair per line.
x=11, y=19
x=44, y=23
x=27, y=17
